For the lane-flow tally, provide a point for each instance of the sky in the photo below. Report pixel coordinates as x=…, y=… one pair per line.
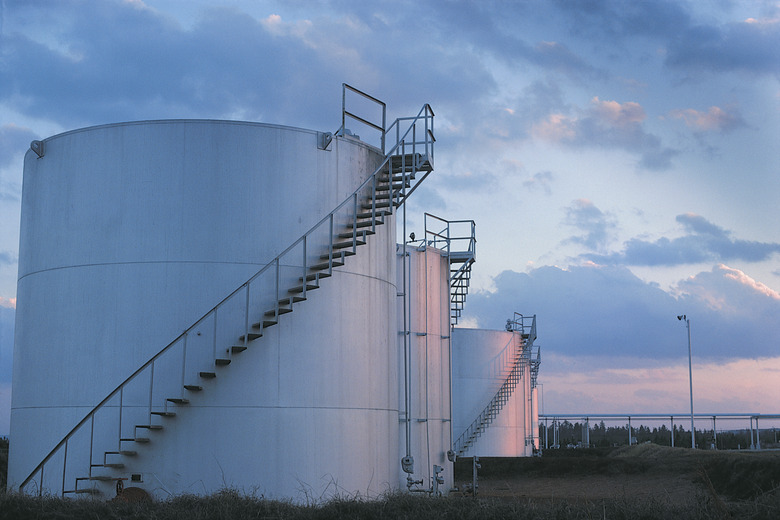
x=620, y=158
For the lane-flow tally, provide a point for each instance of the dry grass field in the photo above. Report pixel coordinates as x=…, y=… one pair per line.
x=641, y=482
x=728, y=484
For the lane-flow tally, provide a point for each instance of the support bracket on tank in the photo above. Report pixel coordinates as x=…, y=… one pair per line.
x=37, y=147
x=323, y=140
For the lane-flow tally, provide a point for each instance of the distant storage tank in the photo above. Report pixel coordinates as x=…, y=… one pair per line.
x=494, y=402
x=129, y=234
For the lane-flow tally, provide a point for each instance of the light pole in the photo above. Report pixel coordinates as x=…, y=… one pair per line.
x=690, y=376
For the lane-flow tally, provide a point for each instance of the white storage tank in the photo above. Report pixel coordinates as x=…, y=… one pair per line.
x=129, y=234
x=426, y=403
x=492, y=380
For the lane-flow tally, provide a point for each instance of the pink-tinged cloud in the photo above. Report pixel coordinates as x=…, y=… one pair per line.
x=556, y=128
x=9, y=303
x=714, y=119
x=739, y=276
x=617, y=114
x=742, y=386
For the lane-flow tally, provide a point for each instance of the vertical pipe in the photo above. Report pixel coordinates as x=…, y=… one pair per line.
x=629, y=431
x=690, y=382
x=64, y=463
x=672, y=419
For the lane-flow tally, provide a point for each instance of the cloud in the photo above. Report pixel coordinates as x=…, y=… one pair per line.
x=586, y=311
x=540, y=181
x=751, y=46
x=704, y=242
x=714, y=119
x=8, y=258
x=608, y=20
x=607, y=124
x=227, y=64
x=597, y=225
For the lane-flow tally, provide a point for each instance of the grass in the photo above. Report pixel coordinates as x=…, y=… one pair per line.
x=733, y=485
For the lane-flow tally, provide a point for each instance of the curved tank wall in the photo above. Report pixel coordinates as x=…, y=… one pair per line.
x=482, y=360
x=131, y=232
x=430, y=365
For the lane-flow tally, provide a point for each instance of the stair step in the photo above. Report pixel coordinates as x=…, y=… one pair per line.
x=194, y=388
x=395, y=186
x=379, y=205
x=338, y=255
x=165, y=414
x=142, y=440
x=367, y=223
x=251, y=336
x=292, y=299
x=326, y=265
x=149, y=426
x=360, y=235
x=126, y=453
x=314, y=277
x=299, y=288
x=377, y=213
x=178, y=400
x=208, y=375
x=235, y=349
x=280, y=311
x=103, y=478
x=221, y=362
x=114, y=465
x=350, y=243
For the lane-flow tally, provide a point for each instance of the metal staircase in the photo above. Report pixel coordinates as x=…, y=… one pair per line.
x=458, y=242
x=526, y=327
x=238, y=321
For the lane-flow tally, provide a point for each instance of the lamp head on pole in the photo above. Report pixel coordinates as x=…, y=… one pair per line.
x=681, y=317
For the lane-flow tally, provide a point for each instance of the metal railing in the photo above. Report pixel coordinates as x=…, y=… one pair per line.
x=518, y=325
x=270, y=292
x=349, y=114
x=458, y=239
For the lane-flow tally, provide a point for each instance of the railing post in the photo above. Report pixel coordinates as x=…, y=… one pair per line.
x=151, y=392
x=64, y=464
x=121, y=404
x=303, y=276
x=183, y=367
x=246, y=319
x=216, y=309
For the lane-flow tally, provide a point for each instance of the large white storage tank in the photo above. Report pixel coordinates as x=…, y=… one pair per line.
x=130, y=233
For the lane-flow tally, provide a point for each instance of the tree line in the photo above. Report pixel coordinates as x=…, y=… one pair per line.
x=572, y=435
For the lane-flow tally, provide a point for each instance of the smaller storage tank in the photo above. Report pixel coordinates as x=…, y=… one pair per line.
x=425, y=352
x=494, y=410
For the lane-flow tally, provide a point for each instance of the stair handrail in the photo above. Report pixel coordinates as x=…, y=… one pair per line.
x=515, y=325
x=444, y=240
x=425, y=113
